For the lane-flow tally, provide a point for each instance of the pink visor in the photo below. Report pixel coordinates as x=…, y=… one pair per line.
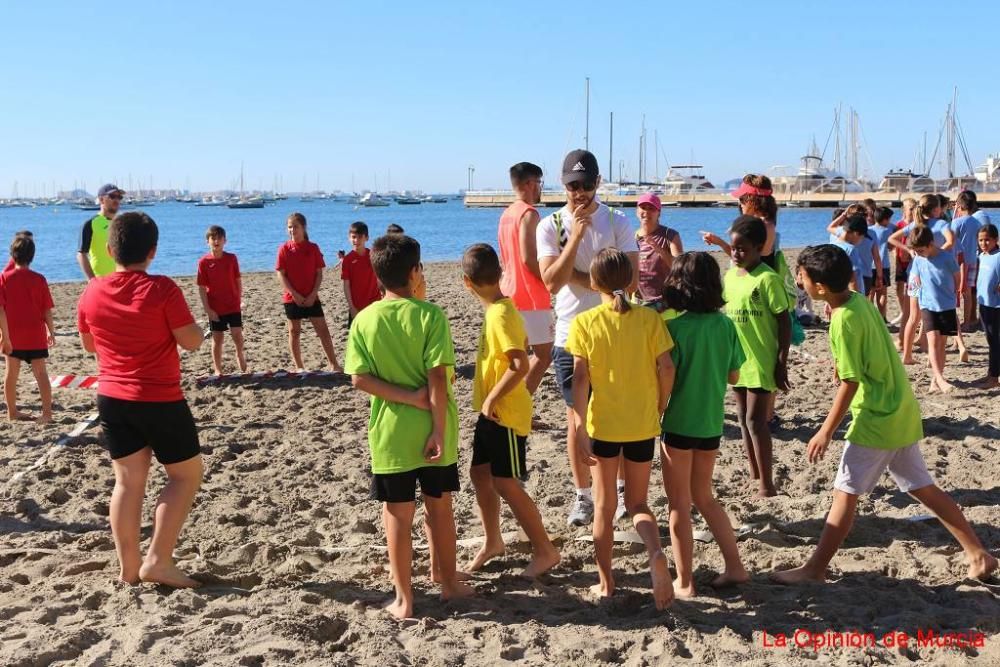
x=651, y=199
x=747, y=189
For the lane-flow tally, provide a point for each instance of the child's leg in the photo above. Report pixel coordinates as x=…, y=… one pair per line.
x=295, y=342
x=963, y=351
x=544, y=555
x=398, y=521
x=702, y=467
x=241, y=359
x=758, y=404
x=218, y=337
x=440, y=522
x=323, y=331
x=636, y=501
x=126, y=511
x=838, y=525
x=981, y=563
x=991, y=325
x=41, y=373
x=605, y=503
x=540, y=361
x=740, y=393
x=172, y=508
x=904, y=313
x=11, y=371
x=936, y=345
x=676, y=465
x=489, y=512
x=580, y=472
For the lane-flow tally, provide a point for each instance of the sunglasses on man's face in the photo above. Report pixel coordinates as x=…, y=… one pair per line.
x=581, y=186
x=115, y=197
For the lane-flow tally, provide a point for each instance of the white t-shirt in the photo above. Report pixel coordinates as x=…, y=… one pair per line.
x=606, y=231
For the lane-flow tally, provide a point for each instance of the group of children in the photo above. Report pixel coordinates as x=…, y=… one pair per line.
x=640, y=374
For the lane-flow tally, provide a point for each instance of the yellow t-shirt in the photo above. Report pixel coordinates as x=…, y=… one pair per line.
x=503, y=331
x=621, y=351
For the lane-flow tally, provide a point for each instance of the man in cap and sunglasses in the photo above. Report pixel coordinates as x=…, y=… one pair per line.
x=567, y=242
x=92, y=252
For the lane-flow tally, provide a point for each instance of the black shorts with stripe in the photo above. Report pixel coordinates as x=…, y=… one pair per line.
x=500, y=447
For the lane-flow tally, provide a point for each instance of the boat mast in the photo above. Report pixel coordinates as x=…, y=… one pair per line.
x=586, y=136
x=611, y=146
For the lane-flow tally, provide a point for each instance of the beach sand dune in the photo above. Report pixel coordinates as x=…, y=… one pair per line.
x=291, y=550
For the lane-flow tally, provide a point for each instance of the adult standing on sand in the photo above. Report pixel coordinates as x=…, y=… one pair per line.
x=92, y=252
x=522, y=279
x=568, y=240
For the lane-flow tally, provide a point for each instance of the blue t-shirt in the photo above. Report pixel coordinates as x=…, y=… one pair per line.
x=982, y=216
x=936, y=276
x=937, y=228
x=966, y=231
x=853, y=252
x=865, y=246
x=882, y=234
x=988, y=282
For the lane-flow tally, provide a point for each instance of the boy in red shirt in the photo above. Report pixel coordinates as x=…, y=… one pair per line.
x=134, y=322
x=10, y=263
x=360, y=284
x=221, y=291
x=28, y=331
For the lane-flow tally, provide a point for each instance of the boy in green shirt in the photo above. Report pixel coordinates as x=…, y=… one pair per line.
x=885, y=419
x=400, y=351
x=501, y=397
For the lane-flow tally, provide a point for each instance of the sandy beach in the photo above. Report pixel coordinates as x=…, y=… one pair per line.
x=290, y=549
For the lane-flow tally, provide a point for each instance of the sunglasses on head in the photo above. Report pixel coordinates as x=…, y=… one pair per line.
x=581, y=186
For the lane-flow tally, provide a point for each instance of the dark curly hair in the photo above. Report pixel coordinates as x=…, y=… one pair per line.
x=694, y=284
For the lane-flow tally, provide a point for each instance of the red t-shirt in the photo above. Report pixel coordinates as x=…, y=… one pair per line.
x=300, y=262
x=364, y=285
x=902, y=257
x=131, y=316
x=10, y=266
x=219, y=277
x=25, y=296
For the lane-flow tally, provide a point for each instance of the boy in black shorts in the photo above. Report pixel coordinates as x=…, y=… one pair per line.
x=400, y=351
x=501, y=397
x=221, y=290
x=134, y=322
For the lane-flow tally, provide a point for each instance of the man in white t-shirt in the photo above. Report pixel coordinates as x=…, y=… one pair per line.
x=567, y=242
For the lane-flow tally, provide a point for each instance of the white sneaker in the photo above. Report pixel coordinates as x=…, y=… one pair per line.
x=621, y=512
x=582, y=512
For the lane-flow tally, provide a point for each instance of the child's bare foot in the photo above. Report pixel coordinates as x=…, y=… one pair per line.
x=799, y=575
x=542, y=563
x=963, y=356
x=663, y=588
x=982, y=566
x=456, y=590
x=400, y=608
x=767, y=492
x=932, y=388
x=336, y=368
x=945, y=386
x=44, y=419
x=18, y=416
x=727, y=579
x=685, y=592
x=603, y=590
x=486, y=553
x=166, y=574
x=459, y=576
x=909, y=361
x=987, y=383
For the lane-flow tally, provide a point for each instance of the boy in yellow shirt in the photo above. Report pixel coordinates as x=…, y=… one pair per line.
x=501, y=396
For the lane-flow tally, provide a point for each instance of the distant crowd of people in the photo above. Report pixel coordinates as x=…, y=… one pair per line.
x=644, y=339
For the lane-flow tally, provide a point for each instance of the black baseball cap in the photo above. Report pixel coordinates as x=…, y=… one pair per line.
x=580, y=165
x=109, y=189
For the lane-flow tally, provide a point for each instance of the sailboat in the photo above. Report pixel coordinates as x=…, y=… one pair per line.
x=243, y=201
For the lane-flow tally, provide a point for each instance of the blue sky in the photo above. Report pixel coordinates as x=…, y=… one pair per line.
x=415, y=92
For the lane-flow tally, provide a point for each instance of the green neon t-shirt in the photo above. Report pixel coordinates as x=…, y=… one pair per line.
x=753, y=302
x=884, y=413
x=706, y=349
x=398, y=341
x=94, y=243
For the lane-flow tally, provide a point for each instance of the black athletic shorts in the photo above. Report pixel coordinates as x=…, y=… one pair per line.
x=688, y=442
x=29, y=355
x=401, y=487
x=639, y=451
x=944, y=322
x=500, y=447
x=902, y=272
x=131, y=426
x=869, y=284
x=885, y=277
x=234, y=320
x=296, y=312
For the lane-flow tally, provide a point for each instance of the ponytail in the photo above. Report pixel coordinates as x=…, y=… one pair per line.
x=611, y=273
x=620, y=304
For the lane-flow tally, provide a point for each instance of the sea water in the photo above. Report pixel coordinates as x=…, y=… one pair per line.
x=444, y=230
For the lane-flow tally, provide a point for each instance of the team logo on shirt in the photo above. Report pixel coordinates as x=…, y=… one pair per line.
x=755, y=295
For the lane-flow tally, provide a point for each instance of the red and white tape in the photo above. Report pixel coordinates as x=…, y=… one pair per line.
x=74, y=381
